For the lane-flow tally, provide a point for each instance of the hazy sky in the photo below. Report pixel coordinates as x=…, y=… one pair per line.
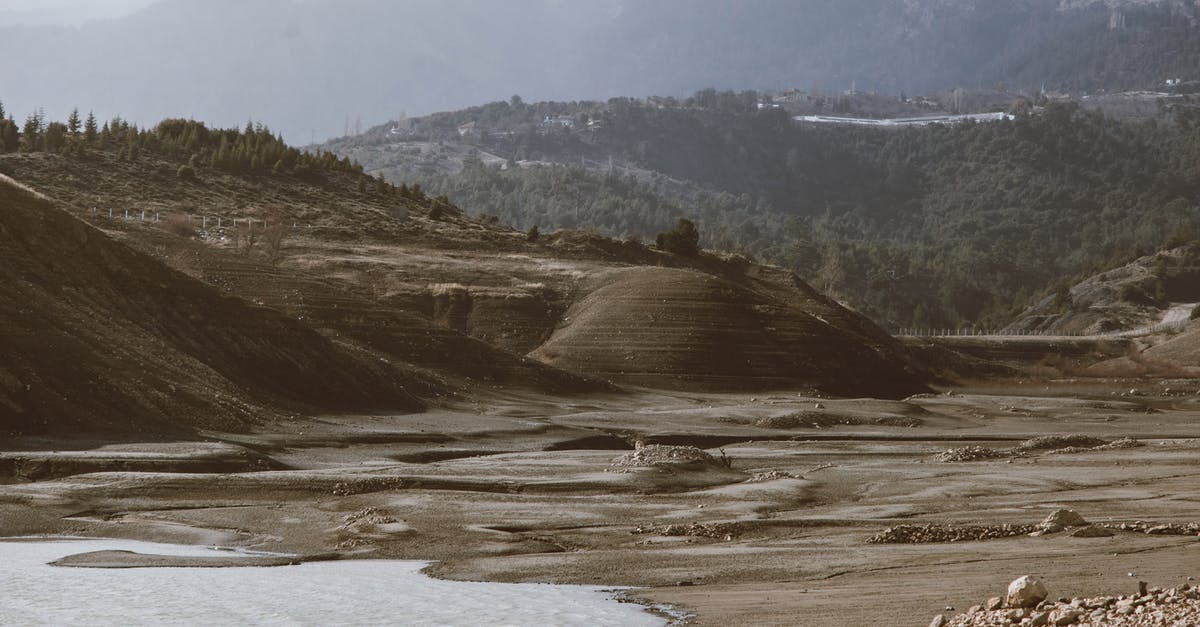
x=65, y=12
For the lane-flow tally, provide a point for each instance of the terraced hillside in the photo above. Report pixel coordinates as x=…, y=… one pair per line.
x=452, y=307
x=98, y=337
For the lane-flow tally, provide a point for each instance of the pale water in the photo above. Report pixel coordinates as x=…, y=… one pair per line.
x=351, y=592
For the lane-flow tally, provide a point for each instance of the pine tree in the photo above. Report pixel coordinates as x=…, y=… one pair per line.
x=9, y=139
x=89, y=129
x=1, y=110
x=31, y=133
x=73, y=123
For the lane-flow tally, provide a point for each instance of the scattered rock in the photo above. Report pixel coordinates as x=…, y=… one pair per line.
x=1152, y=606
x=1169, y=529
x=1065, y=616
x=926, y=534
x=720, y=531
x=938, y=621
x=994, y=604
x=1026, y=591
x=770, y=475
x=968, y=454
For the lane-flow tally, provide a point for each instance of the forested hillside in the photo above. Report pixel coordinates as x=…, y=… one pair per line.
x=936, y=226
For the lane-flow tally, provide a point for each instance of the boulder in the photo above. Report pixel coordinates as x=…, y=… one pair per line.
x=994, y=604
x=1092, y=531
x=1065, y=616
x=1064, y=518
x=938, y=621
x=1026, y=591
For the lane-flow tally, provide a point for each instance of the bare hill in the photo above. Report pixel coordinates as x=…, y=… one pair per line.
x=678, y=328
x=98, y=337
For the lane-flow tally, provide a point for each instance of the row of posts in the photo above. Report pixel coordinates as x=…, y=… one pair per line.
x=218, y=220
x=917, y=332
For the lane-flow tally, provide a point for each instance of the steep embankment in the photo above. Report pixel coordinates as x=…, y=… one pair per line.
x=681, y=328
x=1136, y=295
x=97, y=337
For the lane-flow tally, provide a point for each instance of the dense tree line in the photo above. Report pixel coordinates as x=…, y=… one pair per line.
x=252, y=151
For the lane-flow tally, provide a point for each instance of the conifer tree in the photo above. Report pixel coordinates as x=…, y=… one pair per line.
x=31, y=133
x=73, y=123
x=9, y=139
x=89, y=129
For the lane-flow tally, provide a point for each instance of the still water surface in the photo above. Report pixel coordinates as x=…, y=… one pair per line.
x=352, y=592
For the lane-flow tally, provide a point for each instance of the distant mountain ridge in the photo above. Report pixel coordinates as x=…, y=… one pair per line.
x=321, y=68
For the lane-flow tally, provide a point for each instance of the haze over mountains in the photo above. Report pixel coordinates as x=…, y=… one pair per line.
x=312, y=69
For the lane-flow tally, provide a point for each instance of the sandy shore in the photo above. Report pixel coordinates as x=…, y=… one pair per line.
x=772, y=530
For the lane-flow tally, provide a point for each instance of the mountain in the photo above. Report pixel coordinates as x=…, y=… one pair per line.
x=316, y=68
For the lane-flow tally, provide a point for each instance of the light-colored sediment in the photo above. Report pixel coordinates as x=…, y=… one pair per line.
x=536, y=490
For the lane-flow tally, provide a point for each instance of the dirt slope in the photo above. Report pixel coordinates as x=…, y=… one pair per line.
x=1132, y=296
x=99, y=337
x=677, y=328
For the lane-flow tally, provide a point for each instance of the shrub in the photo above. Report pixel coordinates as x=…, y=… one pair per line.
x=186, y=173
x=533, y=234
x=684, y=239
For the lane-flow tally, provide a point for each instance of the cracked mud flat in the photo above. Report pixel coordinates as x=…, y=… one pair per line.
x=532, y=489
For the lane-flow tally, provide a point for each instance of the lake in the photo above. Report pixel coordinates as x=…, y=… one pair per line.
x=349, y=592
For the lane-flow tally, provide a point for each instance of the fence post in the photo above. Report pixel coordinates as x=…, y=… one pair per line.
x=204, y=222
x=143, y=215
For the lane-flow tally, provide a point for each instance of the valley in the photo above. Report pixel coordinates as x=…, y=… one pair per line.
x=397, y=379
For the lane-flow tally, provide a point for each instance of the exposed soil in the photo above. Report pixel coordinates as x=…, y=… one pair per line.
x=783, y=530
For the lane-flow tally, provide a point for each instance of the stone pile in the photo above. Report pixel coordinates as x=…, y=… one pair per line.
x=1049, y=445
x=1059, y=442
x=926, y=534
x=664, y=456
x=1158, y=529
x=1058, y=521
x=1026, y=605
x=968, y=454
x=719, y=531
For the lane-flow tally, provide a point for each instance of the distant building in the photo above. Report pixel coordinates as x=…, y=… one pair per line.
x=558, y=121
x=468, y=130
